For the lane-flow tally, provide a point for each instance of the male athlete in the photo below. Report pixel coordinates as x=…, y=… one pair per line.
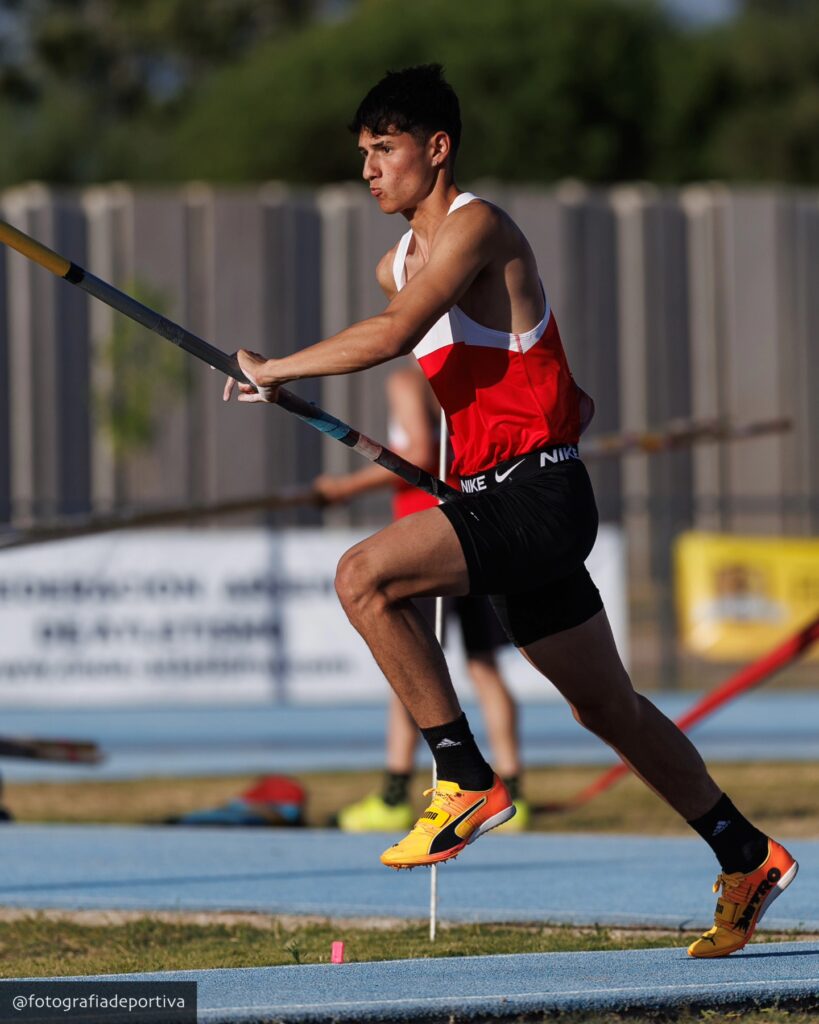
x=472, y=309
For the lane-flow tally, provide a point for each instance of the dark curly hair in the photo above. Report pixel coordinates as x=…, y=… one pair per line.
x=418, y=100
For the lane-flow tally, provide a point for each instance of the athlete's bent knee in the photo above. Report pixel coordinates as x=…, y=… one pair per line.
x=358, y=583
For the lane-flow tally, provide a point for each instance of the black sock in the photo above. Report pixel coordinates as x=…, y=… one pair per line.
x=456, y=754
x=512, y=784
x=396, y=788
x=739, y=846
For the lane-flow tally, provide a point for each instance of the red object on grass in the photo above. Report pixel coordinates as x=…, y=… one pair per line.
x=275, y=789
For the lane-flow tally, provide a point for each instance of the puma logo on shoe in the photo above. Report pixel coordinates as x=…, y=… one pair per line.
x=449, y=835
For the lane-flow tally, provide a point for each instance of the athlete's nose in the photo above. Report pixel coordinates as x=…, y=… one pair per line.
x=369, y=172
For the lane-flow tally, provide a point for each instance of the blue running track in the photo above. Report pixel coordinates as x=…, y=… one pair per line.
x=611, y=880
x=266, y=739
x=541, y=878
x=499, y=987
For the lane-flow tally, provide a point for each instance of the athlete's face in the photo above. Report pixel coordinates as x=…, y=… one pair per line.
x=399, y=169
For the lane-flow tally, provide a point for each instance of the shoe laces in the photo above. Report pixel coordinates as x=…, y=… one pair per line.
x=441, y=797
x=735, y=886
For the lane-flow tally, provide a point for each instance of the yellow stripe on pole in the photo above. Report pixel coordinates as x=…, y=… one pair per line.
x=34, y=250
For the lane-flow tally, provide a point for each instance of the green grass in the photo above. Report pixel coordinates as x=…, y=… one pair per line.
x=780, y=798
x=43, y=945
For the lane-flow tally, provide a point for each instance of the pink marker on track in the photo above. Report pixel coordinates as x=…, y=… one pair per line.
x=337, y=953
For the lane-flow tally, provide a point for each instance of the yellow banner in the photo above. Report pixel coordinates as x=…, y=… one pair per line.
x=737, y=597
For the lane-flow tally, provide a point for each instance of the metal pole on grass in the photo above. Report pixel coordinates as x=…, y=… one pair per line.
x=439, y=634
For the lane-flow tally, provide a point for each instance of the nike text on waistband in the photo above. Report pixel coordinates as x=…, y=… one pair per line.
x=517, y=469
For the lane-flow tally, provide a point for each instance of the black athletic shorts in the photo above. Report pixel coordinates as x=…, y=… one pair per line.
x=480, y=628
x=526, y=527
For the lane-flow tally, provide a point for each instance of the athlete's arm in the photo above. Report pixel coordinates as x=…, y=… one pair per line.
x=385, y=276
x=463, y=247
x=330, y=489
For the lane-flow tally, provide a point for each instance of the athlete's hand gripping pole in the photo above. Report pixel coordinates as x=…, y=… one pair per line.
x=220, y=360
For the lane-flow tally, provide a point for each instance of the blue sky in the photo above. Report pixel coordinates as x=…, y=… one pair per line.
x=702, y=11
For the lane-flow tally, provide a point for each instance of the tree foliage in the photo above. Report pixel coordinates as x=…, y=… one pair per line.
x=80, y=78
x=247, y=90
x=140, y=377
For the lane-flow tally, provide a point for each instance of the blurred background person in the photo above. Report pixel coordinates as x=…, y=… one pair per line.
x=414, y=433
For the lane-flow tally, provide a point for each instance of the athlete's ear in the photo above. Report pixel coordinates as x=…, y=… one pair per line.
x=439, y=147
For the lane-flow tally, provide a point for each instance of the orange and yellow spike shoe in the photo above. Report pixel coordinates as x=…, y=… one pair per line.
x=743, y=901
x=455, y=818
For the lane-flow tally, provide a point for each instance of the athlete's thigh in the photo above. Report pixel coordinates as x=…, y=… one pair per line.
x=417, y=556
x=582, y=662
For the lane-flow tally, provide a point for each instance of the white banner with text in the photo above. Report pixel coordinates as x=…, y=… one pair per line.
x=210, y=616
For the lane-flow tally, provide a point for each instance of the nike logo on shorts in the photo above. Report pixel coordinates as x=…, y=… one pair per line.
x=500, y=477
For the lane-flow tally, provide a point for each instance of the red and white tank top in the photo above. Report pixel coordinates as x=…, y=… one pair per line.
x=503, y=394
